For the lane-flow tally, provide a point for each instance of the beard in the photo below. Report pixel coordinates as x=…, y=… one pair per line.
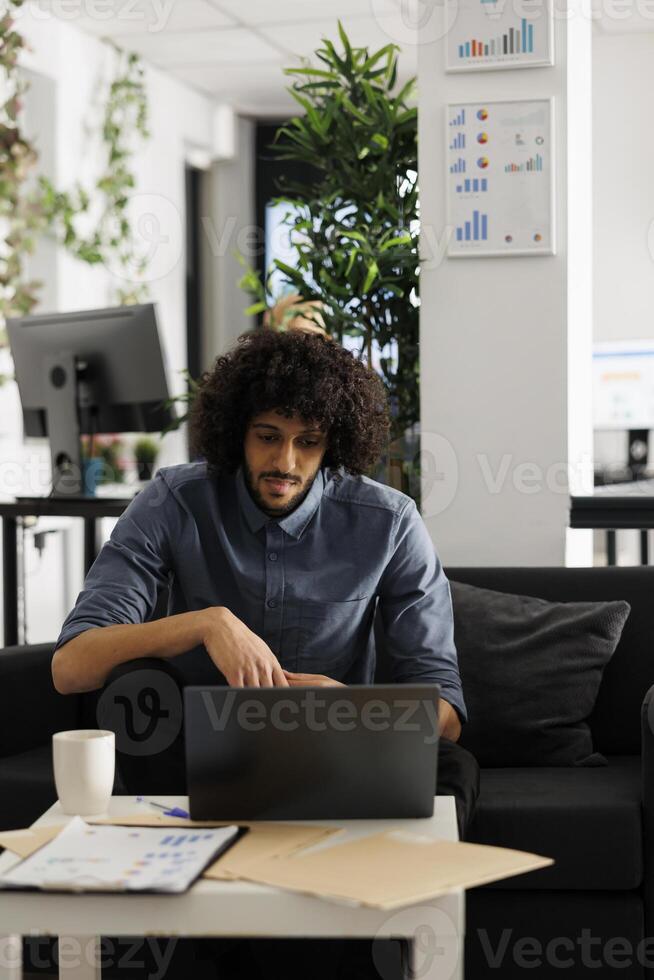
x=283, y=509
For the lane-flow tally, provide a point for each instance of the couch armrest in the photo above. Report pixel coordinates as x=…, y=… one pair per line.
x=647, y=761
x=31, y=710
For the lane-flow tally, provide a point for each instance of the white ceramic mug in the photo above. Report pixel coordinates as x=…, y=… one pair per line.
x=84, y=764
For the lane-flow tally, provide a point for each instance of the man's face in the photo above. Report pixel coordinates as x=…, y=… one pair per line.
x=282, y=458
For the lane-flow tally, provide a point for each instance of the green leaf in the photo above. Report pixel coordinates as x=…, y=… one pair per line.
x=405, y=91
x=346, y=43
x=380, y=140
x=315, y=86
x=353, y=257
x=355, y=235
x=317, y=72
x=255, y=308
x=286, y=269
x=349, y=105
x=377, y=56
x=371, y=275
x=398, y=240
x=392, y=74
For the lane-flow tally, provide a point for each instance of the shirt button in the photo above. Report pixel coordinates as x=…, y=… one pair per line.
x=271, y=603
x=272, y=556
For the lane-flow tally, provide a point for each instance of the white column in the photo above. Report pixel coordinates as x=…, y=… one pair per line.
x=506, y=342
x=229, y=226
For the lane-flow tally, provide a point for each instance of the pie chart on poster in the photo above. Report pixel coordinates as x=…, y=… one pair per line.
x=483, y=162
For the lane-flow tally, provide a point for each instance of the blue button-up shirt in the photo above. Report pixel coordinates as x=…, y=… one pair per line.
x=308, y=584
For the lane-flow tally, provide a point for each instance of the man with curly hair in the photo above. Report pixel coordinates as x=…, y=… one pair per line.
x=276, y=549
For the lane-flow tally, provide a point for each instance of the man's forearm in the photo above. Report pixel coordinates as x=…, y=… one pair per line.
x=85, y=662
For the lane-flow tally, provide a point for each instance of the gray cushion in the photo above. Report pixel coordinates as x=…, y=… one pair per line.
x=531, y=670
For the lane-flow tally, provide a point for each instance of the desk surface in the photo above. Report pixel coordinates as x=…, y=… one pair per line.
x=102, y=506
x=615, y=506
x=217, y=908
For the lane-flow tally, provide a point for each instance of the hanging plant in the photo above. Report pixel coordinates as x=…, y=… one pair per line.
x=21, y=219
x=24, y=216
x=126, y=114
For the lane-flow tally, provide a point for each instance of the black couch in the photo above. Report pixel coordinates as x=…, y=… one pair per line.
x=588, y=913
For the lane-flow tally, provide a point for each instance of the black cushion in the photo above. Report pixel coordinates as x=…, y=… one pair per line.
x=31, y=710
x=588, y=820
x=27, y=787
x=531, y=670
x=615, y=722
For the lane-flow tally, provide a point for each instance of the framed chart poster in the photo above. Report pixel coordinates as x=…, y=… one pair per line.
x=500, y=178
x=491, y=34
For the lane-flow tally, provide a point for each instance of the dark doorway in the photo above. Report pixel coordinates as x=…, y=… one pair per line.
x=194, y=323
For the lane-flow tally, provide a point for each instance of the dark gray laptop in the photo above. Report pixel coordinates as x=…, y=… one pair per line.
x=311, y=753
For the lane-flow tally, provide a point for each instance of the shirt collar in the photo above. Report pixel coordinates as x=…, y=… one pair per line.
x=293, y=523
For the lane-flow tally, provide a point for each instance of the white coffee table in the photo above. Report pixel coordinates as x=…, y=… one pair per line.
x=215, y=908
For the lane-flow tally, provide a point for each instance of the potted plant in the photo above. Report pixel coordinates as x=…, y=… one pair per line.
x=353, y=226
x=145, y=454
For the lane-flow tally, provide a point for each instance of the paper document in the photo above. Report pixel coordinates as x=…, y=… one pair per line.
x=392, y=869
x=98, y=858
x=25, y=842
x=264, y=841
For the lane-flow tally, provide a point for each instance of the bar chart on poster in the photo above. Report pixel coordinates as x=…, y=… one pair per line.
x=488, y=34
x=500, y=178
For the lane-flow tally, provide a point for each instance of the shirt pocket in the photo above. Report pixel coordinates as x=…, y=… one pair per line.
x=331, y=634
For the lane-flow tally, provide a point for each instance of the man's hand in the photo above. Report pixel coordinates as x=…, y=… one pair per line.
x=238, y=653
x=310, y=680
x=448, y=719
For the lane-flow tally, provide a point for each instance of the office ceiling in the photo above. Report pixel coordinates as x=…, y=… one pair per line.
x=235, y=50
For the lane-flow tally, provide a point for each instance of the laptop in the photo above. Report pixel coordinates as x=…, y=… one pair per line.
x=311, y=753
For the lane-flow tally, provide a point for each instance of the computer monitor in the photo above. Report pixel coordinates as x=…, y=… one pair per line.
x=623, y=401
x=90, y=371
x=623, y=385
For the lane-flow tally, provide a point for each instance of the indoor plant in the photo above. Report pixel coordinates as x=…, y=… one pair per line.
x=354, y=221
x=145, y=454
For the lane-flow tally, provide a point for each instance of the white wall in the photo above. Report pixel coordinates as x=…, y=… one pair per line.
x=623, y=202
x=505, y=342
x=75, y=67
x=623, y=199
x=623, y=196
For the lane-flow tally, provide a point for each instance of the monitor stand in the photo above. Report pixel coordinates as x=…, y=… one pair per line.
x=61, y=373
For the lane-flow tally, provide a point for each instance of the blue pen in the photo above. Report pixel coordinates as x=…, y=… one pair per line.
x=176, y=811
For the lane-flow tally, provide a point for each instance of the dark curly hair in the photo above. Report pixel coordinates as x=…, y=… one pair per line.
x=299, y=374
